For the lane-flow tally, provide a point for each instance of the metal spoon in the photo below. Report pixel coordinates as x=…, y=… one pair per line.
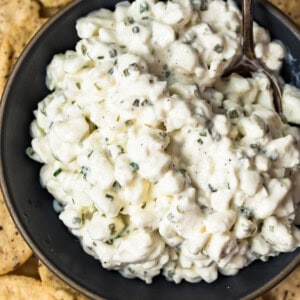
x=248, y=62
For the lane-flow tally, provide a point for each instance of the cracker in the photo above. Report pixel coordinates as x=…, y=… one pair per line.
x=289, y=289
x=54, y=3
x=16, y=12
x=6, y=58
x=48, y=278
x=23, y=288
x=13, y=250
x=289, y=7
x=29, y=268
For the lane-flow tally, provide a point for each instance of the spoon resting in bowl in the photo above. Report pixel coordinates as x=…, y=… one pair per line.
x=248, y=63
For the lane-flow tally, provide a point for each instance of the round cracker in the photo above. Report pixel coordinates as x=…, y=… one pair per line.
x=48, y=278
x=13, y=250
x=14, y=287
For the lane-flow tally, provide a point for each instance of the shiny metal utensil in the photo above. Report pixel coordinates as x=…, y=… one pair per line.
x=248, y=62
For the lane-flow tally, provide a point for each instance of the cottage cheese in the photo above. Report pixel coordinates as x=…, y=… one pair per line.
x=156, y=163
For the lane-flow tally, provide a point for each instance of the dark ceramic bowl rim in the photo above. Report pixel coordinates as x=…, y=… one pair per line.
x=9, y=202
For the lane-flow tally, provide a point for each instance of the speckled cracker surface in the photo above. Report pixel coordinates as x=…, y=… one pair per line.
x=54, y=3
x=50, y=279
x=291, y=8
x=23, y=288
x=289, y=289
x=13, y=250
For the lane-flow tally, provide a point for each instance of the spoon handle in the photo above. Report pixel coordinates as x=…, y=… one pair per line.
x=247, y=11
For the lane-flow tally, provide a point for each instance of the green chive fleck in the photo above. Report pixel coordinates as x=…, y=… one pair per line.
x=136, y=103
x=126, y=72
x=57, y=172
x=134, y=166
x=136, y=29
x=203, y=5
x=113, y=53
x=97, y=86
x=83, y=49
x=78, y=85
x=219, y=48
x=30, y=152
x=84, y=171
x=112, y=228
x=109, y=196
x=117, y=186
x=144, y=7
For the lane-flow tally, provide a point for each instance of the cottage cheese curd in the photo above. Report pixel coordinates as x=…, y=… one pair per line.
x=156, y=163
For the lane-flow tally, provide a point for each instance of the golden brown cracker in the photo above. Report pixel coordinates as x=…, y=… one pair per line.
x=13, y=250
x=23, y=288
x=29, y=268
x=289, y=289
x=17, y=12
x=61, y=288
x=54, y=3
x=6, y=59
x=289, y=7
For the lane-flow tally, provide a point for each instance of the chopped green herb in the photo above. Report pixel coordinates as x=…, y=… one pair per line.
x=111, y=71
x=200, y=141
x=120, y=148
x=122, y=209
x=233, y=114
x=126, y=72
x=255, y=146
x=134, y=166
x=110, y=197
x=133, y=67
x=112, y=53
x=83, y=49
x=245, y=212
x=97, y=86
x=136, y=103
x=143, y=205
x=182, y=171
x=129, y=123
x=30, y=152
x=84, y=171
x=203, y=133
x=128, y=21
x=112, y=228
x=136, y=29
x=78, y=84
x=57, y=172
x=109, y=242
x=117, y=186
x=145, y=102
x=144, y=7
x=203, y=5
x=219, y=48
x=163, y=134
x=76, y=220
x=100, y=57
x=212, y=189
x=145, y=18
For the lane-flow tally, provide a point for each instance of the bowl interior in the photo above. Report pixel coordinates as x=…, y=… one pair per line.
x=32, y=206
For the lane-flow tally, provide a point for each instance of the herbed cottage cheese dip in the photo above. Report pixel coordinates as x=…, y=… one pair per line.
x=156, y=163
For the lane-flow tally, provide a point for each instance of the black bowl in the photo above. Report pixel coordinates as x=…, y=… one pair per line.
x=31, y=206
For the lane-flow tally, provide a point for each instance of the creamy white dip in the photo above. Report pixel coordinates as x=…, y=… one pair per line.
x=156, y=163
